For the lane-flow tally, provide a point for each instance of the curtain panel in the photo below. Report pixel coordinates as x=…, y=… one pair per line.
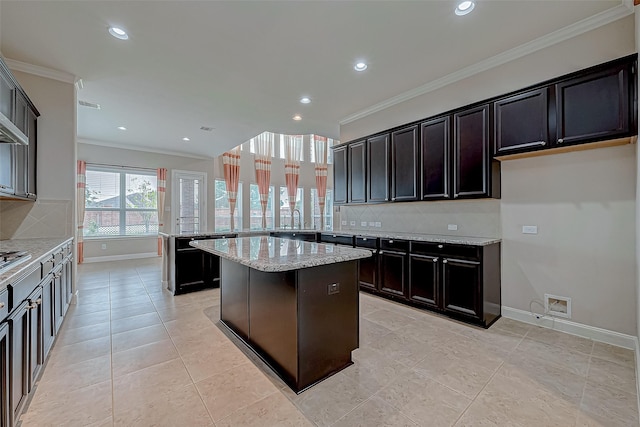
x=81, y=185
x=162, y=190
x=292, y=153
x=321, y=148
x=231, y=162
x=262, y=163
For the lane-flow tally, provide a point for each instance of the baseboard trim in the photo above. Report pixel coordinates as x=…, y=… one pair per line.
x=638, y=373
x=120, y=257
x=573, y=328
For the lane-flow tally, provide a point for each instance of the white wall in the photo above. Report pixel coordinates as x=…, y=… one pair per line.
x=213, y=168
x=52, y=215
x=583, y=203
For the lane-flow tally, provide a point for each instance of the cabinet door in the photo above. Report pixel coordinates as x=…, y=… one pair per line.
x=392, y=273
x=340, y=175
x=7, y=94
x=471, y=152
x=58, y=299
x=378, y=168
x=435, y=147
x=48, y=315
x=36, y=333
x=5, y=408
x=357, y=172
x=405, y=156
x=368, y=275
x=461, y=282
x=7, y=168
x=32, y=134
x=18, y=358
x=424, y=280
x=21, y=159
x=595, y=106
x=521, y=122
x=68, y=280
x=20, y=113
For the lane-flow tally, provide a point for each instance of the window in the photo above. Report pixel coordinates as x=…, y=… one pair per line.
x=285, y=211
x=252, y=147
x=328, y=210
x=255, y=210
x=282, y=150
x=222, y=214
x=312, y=149
x=120, y=202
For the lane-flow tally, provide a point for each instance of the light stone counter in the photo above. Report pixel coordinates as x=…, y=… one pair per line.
x=271, y=254
x=39, y=250
x=435, y=238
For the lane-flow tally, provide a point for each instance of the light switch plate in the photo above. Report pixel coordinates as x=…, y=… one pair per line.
x=363, y=223
x=372, y=224
x=529, y=229
x=452, y=227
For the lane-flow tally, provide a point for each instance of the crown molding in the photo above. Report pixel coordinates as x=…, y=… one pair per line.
x=624, y=9
x=142, y=148
x=45, y=72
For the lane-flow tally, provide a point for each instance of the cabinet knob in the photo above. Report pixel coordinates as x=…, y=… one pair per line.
x=381, y=252
x=440, y=246
x=435, y=260
x=1, y=305
x=543, y=143
x=444, y=261
x=560, y=141
x=364, y=239
x=391, y=242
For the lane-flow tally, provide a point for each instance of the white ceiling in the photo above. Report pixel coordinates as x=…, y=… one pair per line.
x=242, y=66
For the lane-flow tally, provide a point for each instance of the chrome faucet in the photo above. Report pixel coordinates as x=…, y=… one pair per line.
x=299, y=219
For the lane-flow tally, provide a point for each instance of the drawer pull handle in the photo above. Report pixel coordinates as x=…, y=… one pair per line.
x=435, y=260
x=444, y=261
x=440, y=246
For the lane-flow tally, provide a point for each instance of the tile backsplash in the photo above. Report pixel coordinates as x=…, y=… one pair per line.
x=42, y=218
x=479, y=218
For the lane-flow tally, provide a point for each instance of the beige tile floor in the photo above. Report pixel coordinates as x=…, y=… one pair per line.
x=129, y=354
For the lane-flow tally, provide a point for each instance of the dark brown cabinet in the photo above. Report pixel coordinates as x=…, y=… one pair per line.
x=424, y=280
x=48, y=314
x=521, y=122
x=595, y=106
x=378, y=168
x=368, y=268
x=340, y=175
x=295, y=235
x=195, y=269
x=435, y=148
x=36, y=343
x=19, y=357
x=471, y=152
x=461, y=281
x=405, y=157
x=7, y=93
x=393, y=267
x=357, y=172
x=58, y=299
x=7, y=168
x=25, y=159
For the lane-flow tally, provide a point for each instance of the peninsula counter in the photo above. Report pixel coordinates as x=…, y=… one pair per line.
x=294, y=303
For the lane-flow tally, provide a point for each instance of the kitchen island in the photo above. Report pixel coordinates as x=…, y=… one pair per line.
x=294, y=303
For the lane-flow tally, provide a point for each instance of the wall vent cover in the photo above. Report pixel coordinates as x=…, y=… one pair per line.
x=89, y=104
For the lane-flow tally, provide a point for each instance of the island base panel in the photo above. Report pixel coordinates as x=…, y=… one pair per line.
x=234, y=297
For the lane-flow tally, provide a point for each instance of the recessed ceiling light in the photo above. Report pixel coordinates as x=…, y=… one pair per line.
x=465, y=7
x=305, y=100
x=185, y=139
x=122, y=128
x=297, y=117
x=118, y=33
x=360, y=66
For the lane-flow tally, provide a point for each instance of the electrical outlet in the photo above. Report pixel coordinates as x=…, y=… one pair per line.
x=343, y=222
x=372, y=224
x=363, y=223
x=378, y=224
x=452, y=227
x=352, y=223
x=103, y=246
x=529, y=229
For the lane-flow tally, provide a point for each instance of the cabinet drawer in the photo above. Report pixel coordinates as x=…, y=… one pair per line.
x=338, y=239
x=445, y=249
x=4, y=304
x=47, y=266
x=58, y=255
x=367, y=242
x=394, y=245
x=19, y=291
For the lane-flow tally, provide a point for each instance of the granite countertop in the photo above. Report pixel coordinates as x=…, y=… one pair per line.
x=241, y=233
x=272, y=254
x=435, y=238
x=38, y=248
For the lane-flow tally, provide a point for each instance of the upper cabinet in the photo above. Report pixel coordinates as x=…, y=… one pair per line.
x=435, y=147
x=405, y=156
x=521, y=122
x=378, y=168
x=471, y=152
x=340, y=174
x=595, y=106
x=357, y=172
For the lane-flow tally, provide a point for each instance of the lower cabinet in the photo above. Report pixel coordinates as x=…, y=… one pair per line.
x=424, y=280
x=461, y=282
x=195, y=269
x=19, y=358
x=36, y=341
x=392, y=272
x=5, y=404
x=48, y=314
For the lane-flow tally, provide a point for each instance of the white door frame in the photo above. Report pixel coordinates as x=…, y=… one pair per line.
x=175, y=200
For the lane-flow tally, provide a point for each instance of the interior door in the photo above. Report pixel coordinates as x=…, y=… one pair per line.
x=189, y=201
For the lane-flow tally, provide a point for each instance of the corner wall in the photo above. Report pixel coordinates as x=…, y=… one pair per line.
x=583, y=203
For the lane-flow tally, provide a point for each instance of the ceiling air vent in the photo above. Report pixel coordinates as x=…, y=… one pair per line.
x=206, y=128
x=89, y=104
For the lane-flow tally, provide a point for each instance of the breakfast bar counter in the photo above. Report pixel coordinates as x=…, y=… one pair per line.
x=294, y=303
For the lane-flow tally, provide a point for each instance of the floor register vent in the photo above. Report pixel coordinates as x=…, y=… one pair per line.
x=557, y=306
